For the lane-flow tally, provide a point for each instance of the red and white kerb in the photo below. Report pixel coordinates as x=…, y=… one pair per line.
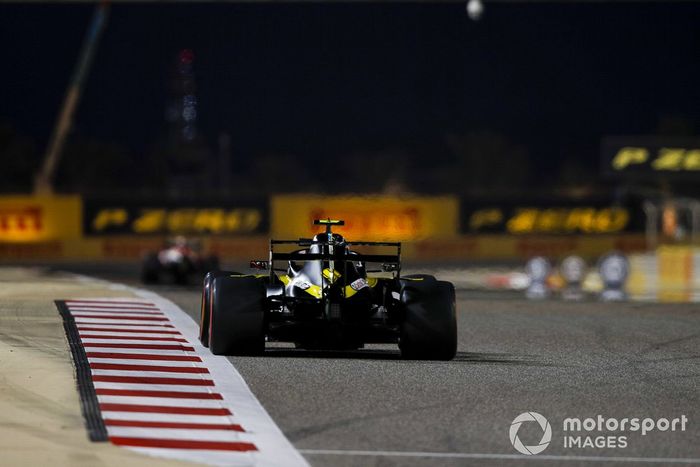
x=160, y=392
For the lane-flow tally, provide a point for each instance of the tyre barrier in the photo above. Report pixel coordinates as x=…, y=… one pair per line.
x=670, y=274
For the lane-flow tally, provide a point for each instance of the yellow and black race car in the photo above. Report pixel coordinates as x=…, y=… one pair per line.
x=326, y=298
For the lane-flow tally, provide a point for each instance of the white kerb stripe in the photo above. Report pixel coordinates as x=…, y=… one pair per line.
x=168, y=417
x=149, y=374
x=153, y=387
x=170, y=433
x=162, y=401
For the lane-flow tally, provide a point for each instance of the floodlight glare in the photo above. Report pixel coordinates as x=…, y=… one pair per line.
x=475, y=9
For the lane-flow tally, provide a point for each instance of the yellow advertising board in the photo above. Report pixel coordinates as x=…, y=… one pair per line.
x=376, y=217
x=675, y=271
x=32, y=219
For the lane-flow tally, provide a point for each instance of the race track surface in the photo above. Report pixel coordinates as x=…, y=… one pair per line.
x=556, y=358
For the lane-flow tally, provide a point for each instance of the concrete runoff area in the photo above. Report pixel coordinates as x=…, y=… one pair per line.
x=40, y=418
x=369, y=407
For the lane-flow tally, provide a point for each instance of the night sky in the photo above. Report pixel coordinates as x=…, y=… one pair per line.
x=324, y=80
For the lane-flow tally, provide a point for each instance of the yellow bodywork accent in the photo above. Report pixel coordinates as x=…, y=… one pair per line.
x=314, y=291
x=317, y=292
x=329, y=221
x=349, y=291
x=331, y=278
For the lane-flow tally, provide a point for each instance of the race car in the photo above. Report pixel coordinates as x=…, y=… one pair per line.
x=327, y=297
x=178, y=261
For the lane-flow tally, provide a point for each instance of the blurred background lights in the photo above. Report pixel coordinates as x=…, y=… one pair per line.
x=475, y=9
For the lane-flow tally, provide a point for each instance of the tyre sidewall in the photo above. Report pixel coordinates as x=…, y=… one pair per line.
x=429, y=328
x=237, y=318
x=205, y=308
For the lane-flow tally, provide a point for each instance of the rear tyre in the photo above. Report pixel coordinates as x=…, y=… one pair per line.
x=205, y=310
x=429, y=329
x=237, y=318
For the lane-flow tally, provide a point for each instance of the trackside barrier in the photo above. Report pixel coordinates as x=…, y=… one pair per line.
x=371, y=217
x=457, y=250
x=671, y=274
x=52, y=228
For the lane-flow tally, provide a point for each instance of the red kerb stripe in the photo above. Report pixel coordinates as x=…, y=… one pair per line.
x=164, y=394
x=187, y=426
x=113, y=307
x=130, y=318
x=164, y=409
x=112, y=302
x=165, y=369
x=120, y=312
x=183, y=444
x=133, y=338
x=140, y=346
x=152, y=380
x=149, y=326
x=142, y=356
x=142, y=331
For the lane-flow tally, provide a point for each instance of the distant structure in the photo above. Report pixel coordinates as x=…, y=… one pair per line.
x=181, y=113
x=187, y=153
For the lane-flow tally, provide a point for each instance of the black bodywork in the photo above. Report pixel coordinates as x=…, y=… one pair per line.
x=326, y=298
x=329, y=296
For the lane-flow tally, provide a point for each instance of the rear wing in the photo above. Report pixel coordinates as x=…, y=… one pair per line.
x=302, y=242
x=344, y=257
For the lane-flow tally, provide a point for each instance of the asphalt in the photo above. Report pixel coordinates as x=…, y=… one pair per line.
x=559, y=359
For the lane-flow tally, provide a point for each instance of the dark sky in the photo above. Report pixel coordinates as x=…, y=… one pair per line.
x=319, y=80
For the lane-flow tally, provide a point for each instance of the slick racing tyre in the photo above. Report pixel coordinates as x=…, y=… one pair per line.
x=429, y=328
x=206, y=305
x=237, y=318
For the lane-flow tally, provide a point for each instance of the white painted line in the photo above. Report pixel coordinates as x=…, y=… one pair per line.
x=465, y=455
x=273, y=446
x=232, y=459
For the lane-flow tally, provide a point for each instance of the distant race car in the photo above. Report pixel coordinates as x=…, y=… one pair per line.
x=177, y=262
x=325, y=299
